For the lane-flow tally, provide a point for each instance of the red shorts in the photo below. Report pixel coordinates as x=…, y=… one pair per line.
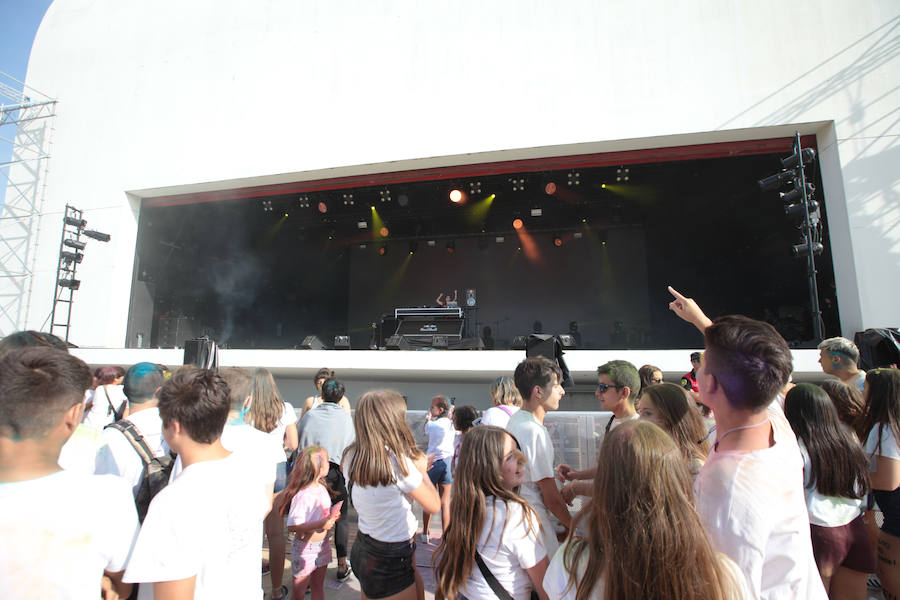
x=843, y=546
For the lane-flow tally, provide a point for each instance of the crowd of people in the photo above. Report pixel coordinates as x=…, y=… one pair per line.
x=146, y=483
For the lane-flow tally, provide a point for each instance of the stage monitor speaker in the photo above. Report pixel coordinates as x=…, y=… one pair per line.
x=539, y=344
x=440, y=342
x=397, y=342
x=878, y=347
x=201, y=352
x=568, y=341
x=469, y=343
x=312, y=342
x=342, y=342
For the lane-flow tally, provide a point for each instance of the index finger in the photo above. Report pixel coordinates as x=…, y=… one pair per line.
x=676, y=293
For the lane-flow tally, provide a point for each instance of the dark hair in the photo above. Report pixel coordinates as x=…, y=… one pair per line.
x=198, y=399
x=332, y=390
x=535, y=371
x=441, y=402
x=238, y=381
x=882, y=404
x=838, y=465
x=141, y=382
x=106, y=375
x=323, y=373
x=748, y=358
x=622, y=372
x=37, y=386
x=847, y=400
x=464, y=417
x=29, y=339
x=646, y=374
x=682, y=420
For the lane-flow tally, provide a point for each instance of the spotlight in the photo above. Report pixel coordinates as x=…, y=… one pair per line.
x=322, y=207
x=518, y=224
x=267, y=205
x=382, y=250
x=518, y=184
x=603, y=186
x=348, y=199
x=577, y=235
x=413, y=246
x=363, y=246
x=385, y=195
x=362, y=224
x=550, y=188
x=74, y=244
x=76, y=257
x=474, y=187
x=72, y=284
x=573, y=178
x=499, y=239
x=79, y=223
x=536, y=212
x=775, y=181
x=451, y=247
x=96, y=235
x=384, y=232
x=622, y=174
x=431, y=243
x=303, y=201
x=557, y=241
x=286, y=215
x=456, y=196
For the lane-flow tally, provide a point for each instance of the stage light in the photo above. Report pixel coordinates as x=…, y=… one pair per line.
x=577, y=235
x=557, y=241
x=518, y=224
x=322, y=207
x=499, y=239
x=777, y=180
x=518, y=184
x=413, y=246
x=573, y=178
x=603, y=243
x=550, y=188
x=96, y=235
x=72, y=284
x=267, y=205
x=451, y=247
x=385, y=195
x=363, y=246
x=456, y=196
x=79, y=223
x=794, y=159
x=74, y=244
x=285, y=215
x=362, y=224
x=474, y=187
x=382, y=250
x=76, y=257
x=348, y=199
x=384, y=232
x=622, y=174
x=431, y=243
x=603, y=186
x=803, y=249
x=303, y=201
x=536, y=212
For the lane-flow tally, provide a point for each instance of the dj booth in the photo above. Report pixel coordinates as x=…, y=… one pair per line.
x=435, y=327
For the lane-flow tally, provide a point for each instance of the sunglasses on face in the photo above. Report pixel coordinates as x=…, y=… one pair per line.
x=602, y=387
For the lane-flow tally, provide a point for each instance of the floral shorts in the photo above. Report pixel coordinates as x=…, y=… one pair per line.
x=306, y=557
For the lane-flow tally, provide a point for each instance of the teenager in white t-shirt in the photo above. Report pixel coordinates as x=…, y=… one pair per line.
x=640, y=536
x=835, y=476
x=201, y=535
x=506, y=402
x=538, y=381
x=750, y=490
x=881, y=430
x=385, y=474
x=492, y=521
x=65, y=534
x=441, y=436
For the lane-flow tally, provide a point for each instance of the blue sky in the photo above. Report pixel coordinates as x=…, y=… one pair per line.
x=19, y=20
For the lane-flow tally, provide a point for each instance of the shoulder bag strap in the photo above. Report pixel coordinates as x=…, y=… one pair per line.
x=133, y=435
x=498, y=589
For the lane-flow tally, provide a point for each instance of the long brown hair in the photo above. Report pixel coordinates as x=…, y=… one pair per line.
x=307, y=466
x=266, y=407
x=882, y=397
x=847, y=400
x=478, y=476
x=681, y=419
x=642, y=515
x=381, y=432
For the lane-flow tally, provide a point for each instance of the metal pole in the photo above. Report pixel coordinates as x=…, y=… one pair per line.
x=810, y=255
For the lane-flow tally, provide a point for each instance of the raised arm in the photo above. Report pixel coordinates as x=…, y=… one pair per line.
x=689, y=310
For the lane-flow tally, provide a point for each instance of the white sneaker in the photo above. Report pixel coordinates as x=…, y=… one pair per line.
x=422, y=538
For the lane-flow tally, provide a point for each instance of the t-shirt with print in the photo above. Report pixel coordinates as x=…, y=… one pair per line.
x=508, y=545
x=207, y=523
x=312, y=503
x=385, y=511
x=753, y=508
x=58, y=533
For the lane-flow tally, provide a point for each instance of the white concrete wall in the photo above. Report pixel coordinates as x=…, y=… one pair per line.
x=177, y=94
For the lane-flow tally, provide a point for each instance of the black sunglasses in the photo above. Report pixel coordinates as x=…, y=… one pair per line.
x=602, y=387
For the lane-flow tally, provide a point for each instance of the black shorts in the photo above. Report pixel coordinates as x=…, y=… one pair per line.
x=382, y=568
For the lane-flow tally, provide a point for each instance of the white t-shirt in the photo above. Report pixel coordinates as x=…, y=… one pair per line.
x=826, y=511
x=80, y=450
x=207, y=523
x=507, y=556
x=288, y=417
x=441, y=436
x=888, y=448
x=614, y=422
x=753, y=508
x=118, y=456
x=243, y=437
x=556, y=579
x=58, y=534
x=385, y=511
x=100, y=415
x=497, y=416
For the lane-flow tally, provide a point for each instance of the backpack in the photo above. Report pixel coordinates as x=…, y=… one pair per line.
x=156, y=468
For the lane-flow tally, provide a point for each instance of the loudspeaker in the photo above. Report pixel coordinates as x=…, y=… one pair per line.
x=568, y=341
x=539, y=344
x=202, y=352
x=439, y=341
x=878, y=347
x=312, y=342
x=469, y=343
x=341, y=342
x=470, y=298
x=397, y=342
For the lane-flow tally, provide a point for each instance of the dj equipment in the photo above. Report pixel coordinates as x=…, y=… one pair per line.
x=435, y=327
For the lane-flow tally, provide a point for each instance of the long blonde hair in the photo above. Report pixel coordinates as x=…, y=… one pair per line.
x=381, y=432
x=642, y=516
x=478, y=475
x=504, y=392
x=266, y=406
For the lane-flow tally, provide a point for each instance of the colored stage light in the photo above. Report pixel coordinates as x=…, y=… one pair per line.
x=456, y=196
x=323, y=207
x=382, y=250
x=603, y=185
x=557, y=241
x=384, y=232
x=413, y=246
x=518, y=224
x=550, y=188
x=451, y=247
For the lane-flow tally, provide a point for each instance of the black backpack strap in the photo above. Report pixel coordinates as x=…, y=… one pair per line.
x=498, y=589
x=133, y=435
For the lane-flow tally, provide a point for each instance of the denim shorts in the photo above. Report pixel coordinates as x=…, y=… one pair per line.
x=280, y=477
x=440, y=472
x=382, y=568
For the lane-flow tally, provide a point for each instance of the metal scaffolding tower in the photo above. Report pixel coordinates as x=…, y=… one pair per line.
x=26, y=123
